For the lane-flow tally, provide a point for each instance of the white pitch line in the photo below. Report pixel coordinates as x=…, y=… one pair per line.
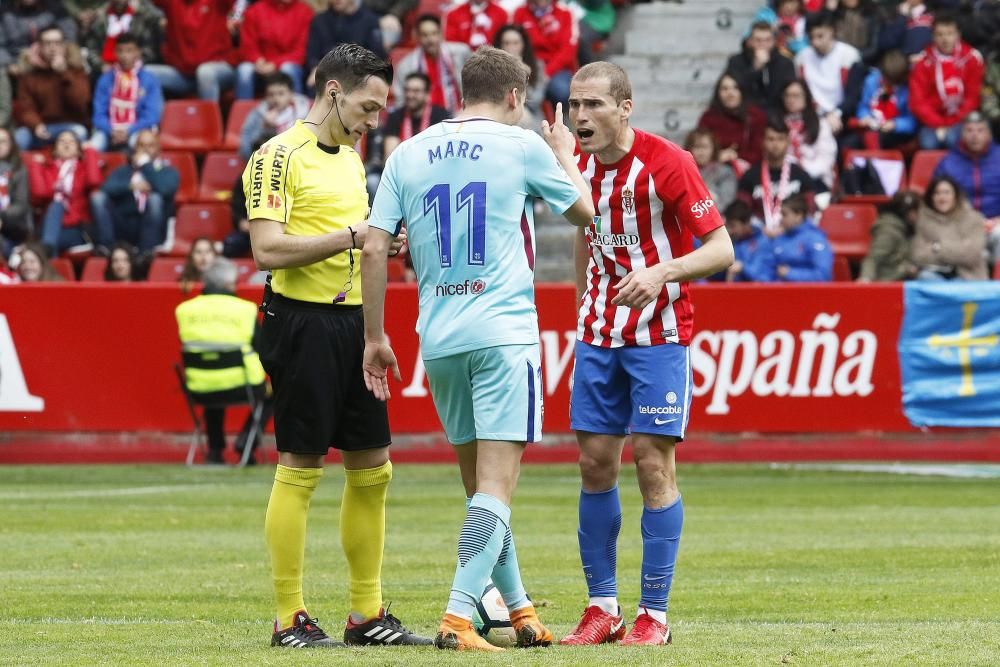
x=959, y=470
x=105, y=493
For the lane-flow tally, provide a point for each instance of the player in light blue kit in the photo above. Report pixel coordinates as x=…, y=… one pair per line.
x=464, y=187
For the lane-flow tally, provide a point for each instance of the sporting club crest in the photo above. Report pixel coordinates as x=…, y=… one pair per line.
x=628, y=199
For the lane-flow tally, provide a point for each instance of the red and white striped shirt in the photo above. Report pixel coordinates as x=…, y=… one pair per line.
x=650, y=205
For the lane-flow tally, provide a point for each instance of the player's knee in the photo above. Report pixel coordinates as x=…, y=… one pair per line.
x=651, y=465
x=597, y=472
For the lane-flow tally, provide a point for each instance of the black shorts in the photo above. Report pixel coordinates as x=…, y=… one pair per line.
x=313, y=353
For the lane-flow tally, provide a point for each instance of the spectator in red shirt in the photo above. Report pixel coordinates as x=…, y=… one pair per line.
x=475, y=22
x=737, y=125
x=198, y=55
x=945, y=85
x=273, y=37
x=64, y=182
x=554, y=33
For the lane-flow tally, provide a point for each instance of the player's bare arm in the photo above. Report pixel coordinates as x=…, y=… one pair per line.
x=563, y=145
x=378, y=357
x=640, y=287
x=274, y=249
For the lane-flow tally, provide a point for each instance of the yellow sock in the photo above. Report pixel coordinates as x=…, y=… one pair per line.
x=285, y=534
x=362, y=534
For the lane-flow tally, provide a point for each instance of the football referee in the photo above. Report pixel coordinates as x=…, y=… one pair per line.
x=307, y=203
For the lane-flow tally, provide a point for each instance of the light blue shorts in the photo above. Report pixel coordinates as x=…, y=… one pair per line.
x=489, y=394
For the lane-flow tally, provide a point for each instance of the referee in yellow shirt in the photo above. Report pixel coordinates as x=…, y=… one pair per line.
x=307, y=203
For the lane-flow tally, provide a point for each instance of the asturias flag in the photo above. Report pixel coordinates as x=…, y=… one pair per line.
x=949, y=353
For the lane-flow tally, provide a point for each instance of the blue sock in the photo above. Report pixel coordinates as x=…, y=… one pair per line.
x=661, y=536
x=479, y=546
x=507, y=573
x=600, y=523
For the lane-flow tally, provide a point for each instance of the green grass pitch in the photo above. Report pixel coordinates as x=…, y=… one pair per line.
x=162, y=565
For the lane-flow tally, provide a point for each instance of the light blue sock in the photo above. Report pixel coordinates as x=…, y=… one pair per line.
x=600, y=523
x=661, y=536
x=479, y=546
x=507, y=573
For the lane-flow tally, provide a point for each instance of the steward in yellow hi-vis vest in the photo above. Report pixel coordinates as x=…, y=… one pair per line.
x=216, y=321
x=307, y=204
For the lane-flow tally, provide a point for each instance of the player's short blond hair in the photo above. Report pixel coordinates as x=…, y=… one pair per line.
x=489, y=74
x=618, y=84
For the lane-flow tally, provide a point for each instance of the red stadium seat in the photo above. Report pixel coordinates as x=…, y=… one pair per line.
x=197, y=220
x=237, y=115
x=922, y=169
x=64, y=268
x=218, y=174
x=875, y=155
x=93, y=270
x=166, y=270
x=184, y=163
x=848, y=227
x=841, y=270
x=110, y=161
x=996, y=271
x=191, y=125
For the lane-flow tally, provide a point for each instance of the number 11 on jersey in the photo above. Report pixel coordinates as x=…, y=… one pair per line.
x=471, y=197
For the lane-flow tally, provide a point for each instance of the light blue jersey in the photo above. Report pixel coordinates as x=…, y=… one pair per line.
x=464, y=189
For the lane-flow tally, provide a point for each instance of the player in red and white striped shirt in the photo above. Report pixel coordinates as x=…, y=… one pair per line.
x=633, y=371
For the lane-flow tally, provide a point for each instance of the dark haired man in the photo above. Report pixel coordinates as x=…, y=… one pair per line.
x=760, y=68
x=415, y=115
x=832, y=69
x=127, y=98
x=441, y=61
x=945, y=85
x=306, y=202
x=767, y=184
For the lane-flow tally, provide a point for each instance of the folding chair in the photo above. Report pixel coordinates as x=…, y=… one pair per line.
x=213, y=359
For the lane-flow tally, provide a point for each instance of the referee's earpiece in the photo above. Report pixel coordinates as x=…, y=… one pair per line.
x=333, y=101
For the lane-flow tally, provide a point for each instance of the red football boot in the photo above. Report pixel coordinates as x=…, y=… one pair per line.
x=596, y=627
x=647, y=631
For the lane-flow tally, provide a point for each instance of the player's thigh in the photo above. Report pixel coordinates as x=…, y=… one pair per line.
x=660, y=380
x=296, y=354
x=600, y=399
x=362, y=421
x=451, y=389
x=507, y=393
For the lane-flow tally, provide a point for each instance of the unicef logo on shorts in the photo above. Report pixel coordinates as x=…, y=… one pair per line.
x=478, y=286
x=671, y=398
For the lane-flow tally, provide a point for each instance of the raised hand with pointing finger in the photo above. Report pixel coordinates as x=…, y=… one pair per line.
x=559, y=137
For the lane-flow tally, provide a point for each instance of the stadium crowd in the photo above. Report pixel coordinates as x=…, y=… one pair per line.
x=828, y=109
x=863, y=103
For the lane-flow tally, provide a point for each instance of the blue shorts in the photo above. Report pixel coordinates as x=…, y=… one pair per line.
x=632, y=389
x=489, y=394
